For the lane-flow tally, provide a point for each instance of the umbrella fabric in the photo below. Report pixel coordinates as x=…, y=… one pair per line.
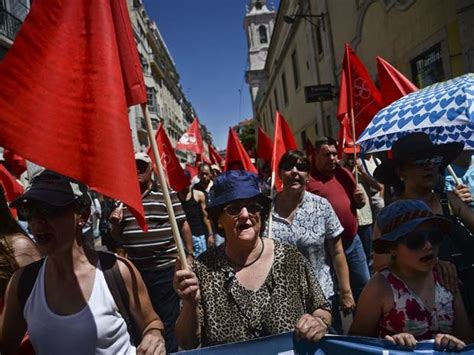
x=444, y=111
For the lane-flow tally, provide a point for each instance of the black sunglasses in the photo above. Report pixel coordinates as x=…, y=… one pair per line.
x=421, y=163
x=235, y=208
x=287, y=166
x=27, y=211
x=417, y=239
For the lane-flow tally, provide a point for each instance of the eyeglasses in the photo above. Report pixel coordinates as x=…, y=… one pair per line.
x=27, y=211
x=234, y=209
x=421, y=163
x=417, y=239
x=287, y=166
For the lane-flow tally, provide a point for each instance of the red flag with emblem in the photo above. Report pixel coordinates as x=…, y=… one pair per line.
x=357, y=93
x=236, y=156
x=393, y=84
x=283, y=141
x=264, y=146
x=66, y=84
x=177, y=180
x=192, y=139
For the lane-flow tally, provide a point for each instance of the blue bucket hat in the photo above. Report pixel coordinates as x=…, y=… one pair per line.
x=402, y=217
x=235, y=185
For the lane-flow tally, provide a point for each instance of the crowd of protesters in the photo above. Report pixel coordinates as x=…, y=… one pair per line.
x=258, y=263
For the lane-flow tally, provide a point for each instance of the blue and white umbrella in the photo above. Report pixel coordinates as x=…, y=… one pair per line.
x=445, y=111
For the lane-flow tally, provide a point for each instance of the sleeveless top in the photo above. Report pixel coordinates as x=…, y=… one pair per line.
x=98, y=328
x=194, y=215
x=409, y=314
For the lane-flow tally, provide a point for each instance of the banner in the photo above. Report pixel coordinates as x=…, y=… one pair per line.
x=284, y=344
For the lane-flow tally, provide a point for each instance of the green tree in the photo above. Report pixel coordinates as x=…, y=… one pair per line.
x=247, y=137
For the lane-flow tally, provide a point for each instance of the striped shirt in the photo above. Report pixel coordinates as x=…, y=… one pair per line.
x=155, y=249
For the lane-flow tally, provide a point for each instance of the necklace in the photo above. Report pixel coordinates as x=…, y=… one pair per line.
x=252, y=262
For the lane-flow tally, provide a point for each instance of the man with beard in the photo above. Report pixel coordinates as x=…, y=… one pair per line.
x=154, y=252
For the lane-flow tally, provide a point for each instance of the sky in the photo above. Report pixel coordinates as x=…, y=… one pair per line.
x=207, y=42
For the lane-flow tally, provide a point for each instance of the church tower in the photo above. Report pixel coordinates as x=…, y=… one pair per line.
x=258, y=25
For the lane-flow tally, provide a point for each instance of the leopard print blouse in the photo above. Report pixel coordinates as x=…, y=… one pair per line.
x=228, y=312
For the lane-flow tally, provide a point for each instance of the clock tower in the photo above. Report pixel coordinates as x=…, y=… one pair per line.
x=258, y=25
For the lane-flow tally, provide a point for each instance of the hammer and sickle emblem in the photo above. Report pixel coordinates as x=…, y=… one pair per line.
x=361, y=89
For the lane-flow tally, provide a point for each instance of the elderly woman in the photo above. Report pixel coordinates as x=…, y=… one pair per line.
x=309, y=222
x=415, y=171
x=68, y=294
x=250, y=286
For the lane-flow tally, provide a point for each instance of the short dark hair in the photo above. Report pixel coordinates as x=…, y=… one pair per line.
x=320, y=141
x=291, y=157
x=202, y=165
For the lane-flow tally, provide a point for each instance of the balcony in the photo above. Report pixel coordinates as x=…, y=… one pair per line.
x=9, y=24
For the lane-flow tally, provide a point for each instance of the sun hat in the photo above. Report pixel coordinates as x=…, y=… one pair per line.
x=402, y=217
x=235, y=185
x=143, y=157
x=415, y=146
x=52, y=188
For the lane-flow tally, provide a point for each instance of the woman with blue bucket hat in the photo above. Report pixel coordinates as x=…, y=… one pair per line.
x=406, y=301
x=250, y=286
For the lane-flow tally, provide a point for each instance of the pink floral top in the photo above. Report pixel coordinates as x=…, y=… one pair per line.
x=409, y=314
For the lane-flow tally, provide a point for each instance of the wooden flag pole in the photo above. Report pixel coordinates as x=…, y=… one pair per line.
x=164, y=187
x=270, y=217
x=453, y=174
x=354, y=142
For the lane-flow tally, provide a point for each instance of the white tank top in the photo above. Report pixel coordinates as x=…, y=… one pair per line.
x=98, y=328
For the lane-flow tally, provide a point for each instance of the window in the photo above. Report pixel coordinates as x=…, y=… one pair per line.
x=319, y=41
x=428, y=67
x=258, y=5
x=151, y=99
x=285, y=92
x=294, y=64
x=262, y=30
x=275, y=97
x=303, y=138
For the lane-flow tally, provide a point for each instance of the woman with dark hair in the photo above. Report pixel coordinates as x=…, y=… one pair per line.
x=406, y=301
x=68, y=294
x=250, y=286
x=415, y=171
x=309, y=222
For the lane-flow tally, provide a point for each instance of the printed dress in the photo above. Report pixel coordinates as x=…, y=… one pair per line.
x=409, y=314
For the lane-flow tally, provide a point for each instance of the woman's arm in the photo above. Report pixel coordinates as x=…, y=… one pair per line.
x=369, y=308
x=145, y=317
x=462, y=210
x=381, y=261
x=462, y=328
x=25, y=250
x=188, y=327
x=342, y=271
x=12, y=323
x=205, y=217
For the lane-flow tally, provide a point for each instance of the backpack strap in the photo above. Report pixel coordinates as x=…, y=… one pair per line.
x=27, y=281
x=445, y=204
x=118, y=289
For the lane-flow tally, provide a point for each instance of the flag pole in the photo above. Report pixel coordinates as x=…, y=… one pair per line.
x=270, y=217
x=354, y=142
x=164, y=186
x=453, y=174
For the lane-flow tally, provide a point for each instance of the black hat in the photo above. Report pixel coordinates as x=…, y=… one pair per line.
x=52, y=188
x=411, y=147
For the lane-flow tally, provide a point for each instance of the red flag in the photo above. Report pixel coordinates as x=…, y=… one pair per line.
x=283, y=141
x=357, y=92
x=214, y=155
x=193, y=170
x=12, y=188
x=15, y=163
x=236, y=156
x=393, y=84
x=264, y=146
x=171, y=166
x=202, y=158
x=66, y=84
x=192, y=139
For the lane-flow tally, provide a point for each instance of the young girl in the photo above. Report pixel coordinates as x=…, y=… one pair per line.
x=406, y=302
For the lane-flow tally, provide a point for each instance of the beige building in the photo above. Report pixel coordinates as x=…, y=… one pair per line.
x=427, y=40
x=12, y=15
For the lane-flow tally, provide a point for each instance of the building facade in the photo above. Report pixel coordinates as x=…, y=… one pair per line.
x=12, y=15
x=428, y=41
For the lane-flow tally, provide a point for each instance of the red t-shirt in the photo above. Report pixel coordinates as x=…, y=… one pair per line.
x=338, y=190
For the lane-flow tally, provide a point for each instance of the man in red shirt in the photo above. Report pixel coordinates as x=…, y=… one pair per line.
x=338, y=186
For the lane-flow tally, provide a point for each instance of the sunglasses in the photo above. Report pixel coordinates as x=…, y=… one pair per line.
x=417, y=239
x=287, y=166
x=234, y=209
x=27, y=211
x=421, y=163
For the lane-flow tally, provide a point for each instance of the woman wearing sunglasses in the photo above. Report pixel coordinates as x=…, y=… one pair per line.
x=65, y=300
x=406, y=301
x=309, y=222
x=250, y=286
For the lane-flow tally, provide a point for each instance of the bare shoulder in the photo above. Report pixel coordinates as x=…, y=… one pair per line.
x=127, y=269
x=199, y=195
